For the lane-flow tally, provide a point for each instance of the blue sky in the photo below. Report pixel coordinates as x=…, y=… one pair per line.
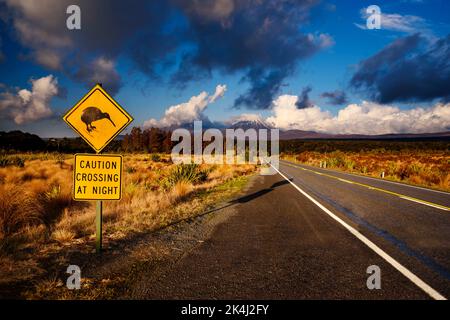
x=140, y=60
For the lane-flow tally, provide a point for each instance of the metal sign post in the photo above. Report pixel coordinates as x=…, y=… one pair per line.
x=98, y=226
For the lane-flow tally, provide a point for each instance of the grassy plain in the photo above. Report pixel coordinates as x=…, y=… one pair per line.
x=38, y=216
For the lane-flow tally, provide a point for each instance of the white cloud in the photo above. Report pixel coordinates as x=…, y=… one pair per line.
x=364, y=118
x=187, y=112
x=397, y=22
x=323, y=40
x=25, y=105
x=220, y=91
x=49, y=58
x=401, y=23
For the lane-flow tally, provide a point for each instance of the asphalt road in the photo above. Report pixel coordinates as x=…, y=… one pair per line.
x=281, y=243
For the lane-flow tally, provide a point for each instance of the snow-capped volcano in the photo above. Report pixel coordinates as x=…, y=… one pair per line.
x=248, y=121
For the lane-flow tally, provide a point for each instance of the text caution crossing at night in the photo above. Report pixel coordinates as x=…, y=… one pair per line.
x=97, y=177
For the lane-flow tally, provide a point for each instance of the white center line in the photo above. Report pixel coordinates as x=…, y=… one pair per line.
x=408, y=274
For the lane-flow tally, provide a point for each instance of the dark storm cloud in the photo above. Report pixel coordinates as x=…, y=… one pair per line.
x=407, y=70
x=264, y=85
x=101, y=71
x=261, y=39
x=108, y=29
x=336, y=97
x=304, y=101
x=2, y=55
x=178, y=40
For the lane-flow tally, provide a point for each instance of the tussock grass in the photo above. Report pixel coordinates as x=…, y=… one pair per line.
x=188, y=173
x=18, y=209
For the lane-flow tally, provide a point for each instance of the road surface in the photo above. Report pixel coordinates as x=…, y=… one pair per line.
x=310, y=233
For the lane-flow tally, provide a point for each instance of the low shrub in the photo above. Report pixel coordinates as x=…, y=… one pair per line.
x=155, y=157
x=190, y=173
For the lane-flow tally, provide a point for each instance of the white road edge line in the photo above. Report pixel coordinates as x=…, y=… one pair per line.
x=408, y=274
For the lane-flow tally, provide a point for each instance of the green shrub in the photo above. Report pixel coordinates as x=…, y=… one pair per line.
x=131, y=170
x=12, y=161
x=19, y=161
x=60, y=159
x=3, y=161
x=54, y=201
x=187, y=173
x=350, y=164
x=416, y=168
x=155, y=157
x=336, y=161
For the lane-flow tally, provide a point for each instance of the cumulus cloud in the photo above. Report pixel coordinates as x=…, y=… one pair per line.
x=27, y=106
x=364, y=118
x=336, y=97
x=187, y=112
x=220, y=91
x=407, y=70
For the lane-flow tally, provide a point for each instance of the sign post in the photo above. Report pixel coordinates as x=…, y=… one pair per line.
x=98, y=226
x=98, y=119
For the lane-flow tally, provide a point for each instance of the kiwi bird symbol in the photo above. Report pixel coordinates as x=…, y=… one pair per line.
x=91, y=114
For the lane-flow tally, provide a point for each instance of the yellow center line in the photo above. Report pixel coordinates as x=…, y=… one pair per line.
x=402, y=196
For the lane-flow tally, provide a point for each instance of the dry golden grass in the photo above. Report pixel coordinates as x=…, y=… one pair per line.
x=180, y=191
x=425, y=168
x=36, y=206
x=63, y=235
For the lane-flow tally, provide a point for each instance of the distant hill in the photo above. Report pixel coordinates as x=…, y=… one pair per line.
x=21, y=141
x=310, y=135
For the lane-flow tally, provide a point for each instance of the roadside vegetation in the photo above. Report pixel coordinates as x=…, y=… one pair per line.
x=38, y=216
x=424, y=164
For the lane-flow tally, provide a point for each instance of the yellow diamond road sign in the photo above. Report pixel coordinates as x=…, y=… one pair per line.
x=97, y=118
